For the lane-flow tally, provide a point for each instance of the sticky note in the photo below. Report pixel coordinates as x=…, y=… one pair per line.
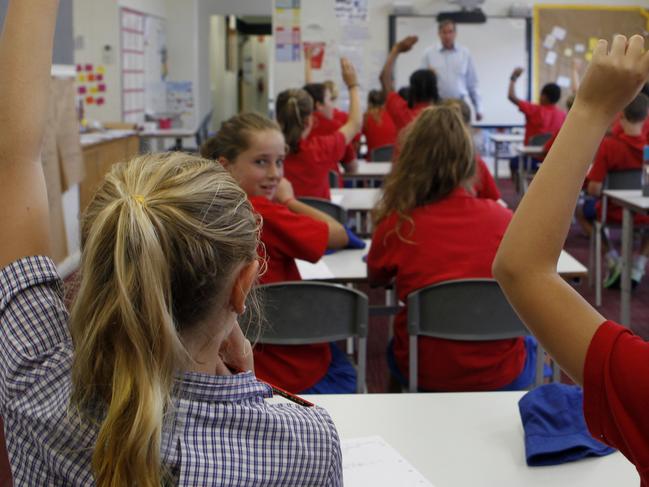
x=549, y=41
x=101, y=70
x=589, y=56
x=79, y=68
x=551, y=58
x=559, y=32
x=91, y=77
x=580, y=48
x=567, y=52
x=592, y=43
x=90, y=100
x=81, y=78
x=101, y=87
x=100, y=101
x=94, y=89
x=563, y=81
x=88, y=67
x=81, y=90
x=99, y=77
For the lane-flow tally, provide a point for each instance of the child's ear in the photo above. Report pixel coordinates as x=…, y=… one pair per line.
x=224, y=162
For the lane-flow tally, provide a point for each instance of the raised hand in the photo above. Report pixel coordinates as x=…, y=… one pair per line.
x=404, y=45
x=348, y=73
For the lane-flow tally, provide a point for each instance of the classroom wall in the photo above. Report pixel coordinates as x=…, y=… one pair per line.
x=223, y=83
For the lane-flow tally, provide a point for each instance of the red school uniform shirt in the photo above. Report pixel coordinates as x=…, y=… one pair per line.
x=400, y=112
x=327, y=126
x=617, y=128
x=485, y=184
x=616, y=393
x=379, y=131
x=541, y=119
x=287, y=236
x=455, y=238
x=617, y=153
x=308, y=169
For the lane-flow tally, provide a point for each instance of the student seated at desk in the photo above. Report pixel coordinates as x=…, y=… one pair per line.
x=422, y=91
x=378, y=127
x=148, y=380
x=607, y=359
x=311, y=158
x=617, y=128
x=542, y=118
x=618, y=152
x=252, y=148
x=430, y=228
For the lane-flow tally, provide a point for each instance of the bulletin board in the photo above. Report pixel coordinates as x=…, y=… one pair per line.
x=563, y=33
x=497, y=47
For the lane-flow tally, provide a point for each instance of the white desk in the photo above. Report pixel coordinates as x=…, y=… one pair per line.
x=358, y=201
x=631, y=202
x=525, y=155
x=92, y=138
x=500, y=139
x=161, y=134
x=348, y=266
x=465, y=439
x=369, y=171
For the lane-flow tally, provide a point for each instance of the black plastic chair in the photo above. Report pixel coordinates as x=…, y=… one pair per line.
x=332, y=209
x=382, y=154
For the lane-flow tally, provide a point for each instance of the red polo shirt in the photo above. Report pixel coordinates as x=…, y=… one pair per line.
x=287, y=236
x=308, y=169
x=379, y=131
x=541, y=119
x=485, y=184
x=467, y=232
x=400, y=112
x=616, y=393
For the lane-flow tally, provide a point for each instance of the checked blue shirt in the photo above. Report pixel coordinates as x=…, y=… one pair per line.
x=221, y=432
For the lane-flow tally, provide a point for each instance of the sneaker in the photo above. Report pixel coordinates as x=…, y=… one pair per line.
x=636, y=277
x=612, y=281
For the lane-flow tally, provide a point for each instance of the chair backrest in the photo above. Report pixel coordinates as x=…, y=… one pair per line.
x=625, y=179
x=332, y=209
x=539, y=139
x=466, y=309
x=334, y=181
x=382, y=154
x=203, y=129
x=301, y=312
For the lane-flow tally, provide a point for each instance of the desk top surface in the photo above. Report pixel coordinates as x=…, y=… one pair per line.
x=500, y=137
x=631, y=198
x=465, y=439
x=176, y=132
x=355, y=199
x=92, y=138
x=530, y=149
x=370, y=169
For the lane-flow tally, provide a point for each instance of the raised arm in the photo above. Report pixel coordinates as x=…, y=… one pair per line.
x=355, y=116
x=386, y=76
x=511, y=92
x=308, y=71
x=26, y=58
x=525, y=265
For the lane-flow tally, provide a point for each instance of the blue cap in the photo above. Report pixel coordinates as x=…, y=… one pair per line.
x=555, y=429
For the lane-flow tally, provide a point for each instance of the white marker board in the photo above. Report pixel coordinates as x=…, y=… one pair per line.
x=497, y=47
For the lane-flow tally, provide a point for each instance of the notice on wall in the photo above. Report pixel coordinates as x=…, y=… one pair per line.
x=180, y=97
x=288, y=33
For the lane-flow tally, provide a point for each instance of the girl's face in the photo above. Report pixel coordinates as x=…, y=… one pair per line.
x=327, y=108
x=260, y=167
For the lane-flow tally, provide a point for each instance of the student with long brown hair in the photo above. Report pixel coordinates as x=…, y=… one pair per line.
x=430, y=228
x=310, y=158
x=148, y=381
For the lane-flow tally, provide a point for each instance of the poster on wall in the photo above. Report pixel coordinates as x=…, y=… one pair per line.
x=180, y=97
x=288, y=33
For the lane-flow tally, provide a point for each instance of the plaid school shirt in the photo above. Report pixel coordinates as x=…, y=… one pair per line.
x=222, y=431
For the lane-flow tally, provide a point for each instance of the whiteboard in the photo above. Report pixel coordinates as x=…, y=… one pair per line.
x=497, y=47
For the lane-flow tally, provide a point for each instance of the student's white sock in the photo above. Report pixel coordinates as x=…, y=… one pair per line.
x=640, y=262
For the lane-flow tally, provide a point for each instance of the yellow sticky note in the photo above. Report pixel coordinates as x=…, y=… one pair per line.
x=567, y=52
x=589, y=56
x=592, y=43
x=101, y=70
x=94, y=89
x=81, y=78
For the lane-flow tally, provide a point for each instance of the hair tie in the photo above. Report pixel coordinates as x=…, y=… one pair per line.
x=140, y=199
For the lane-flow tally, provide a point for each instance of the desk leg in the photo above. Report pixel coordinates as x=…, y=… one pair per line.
x=160, y=144
x=496, y=152
x=521, y=174
x=627, y=245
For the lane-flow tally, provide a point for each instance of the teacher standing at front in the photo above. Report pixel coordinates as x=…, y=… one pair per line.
x=453, y=65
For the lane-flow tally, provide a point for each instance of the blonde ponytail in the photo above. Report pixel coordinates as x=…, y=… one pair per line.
x=293, y=108
x=159, y=239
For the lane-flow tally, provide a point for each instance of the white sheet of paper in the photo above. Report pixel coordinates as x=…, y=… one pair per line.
x=549, y=41
x=580, y=48
x=372, y=461
x=559, y=32
x=310, y=272
x=563, y=81
x=551, y=58
x=567, y=52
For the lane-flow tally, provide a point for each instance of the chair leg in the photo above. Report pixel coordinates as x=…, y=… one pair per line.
x=390, y=300
x=412, y=364
x=361, y=386
x=598, y=263
x=591, y=260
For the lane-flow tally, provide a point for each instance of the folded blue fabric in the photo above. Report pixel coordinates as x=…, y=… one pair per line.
x=355, y=242
x=555, y=428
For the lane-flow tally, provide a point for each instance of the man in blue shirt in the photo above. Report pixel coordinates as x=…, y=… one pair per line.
x=452, y=63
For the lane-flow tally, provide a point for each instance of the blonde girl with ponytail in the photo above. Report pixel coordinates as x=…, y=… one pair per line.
x=252, y=148
x=431, y=228
x=149, y=380
x=310, y=158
